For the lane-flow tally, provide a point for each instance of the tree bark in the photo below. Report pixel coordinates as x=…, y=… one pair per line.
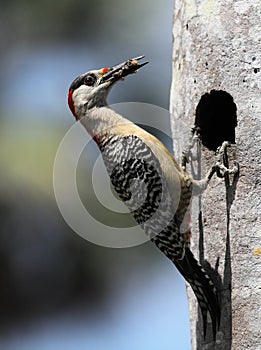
x=217, y=47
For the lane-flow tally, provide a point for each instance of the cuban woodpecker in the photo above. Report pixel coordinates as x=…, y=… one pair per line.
x=146, y=177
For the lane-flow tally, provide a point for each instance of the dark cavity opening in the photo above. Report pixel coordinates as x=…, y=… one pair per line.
x=216, y=119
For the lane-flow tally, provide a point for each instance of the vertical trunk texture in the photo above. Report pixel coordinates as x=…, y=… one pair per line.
x=217, y=46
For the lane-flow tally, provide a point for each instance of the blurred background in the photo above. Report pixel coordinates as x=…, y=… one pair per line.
x=58, y=291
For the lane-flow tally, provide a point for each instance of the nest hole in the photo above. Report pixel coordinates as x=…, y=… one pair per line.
x=216, y=119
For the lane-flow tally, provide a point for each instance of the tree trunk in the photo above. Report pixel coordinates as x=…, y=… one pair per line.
x=217, y=47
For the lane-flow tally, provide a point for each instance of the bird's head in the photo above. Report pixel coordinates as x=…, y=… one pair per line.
x=90, y=89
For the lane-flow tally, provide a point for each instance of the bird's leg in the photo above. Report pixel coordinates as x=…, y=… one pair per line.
x=187, y=154
x=218, y=167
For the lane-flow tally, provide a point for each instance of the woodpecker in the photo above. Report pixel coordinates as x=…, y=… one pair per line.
x=146, y=177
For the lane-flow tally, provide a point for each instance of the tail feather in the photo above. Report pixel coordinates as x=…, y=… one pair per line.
x=203, y=288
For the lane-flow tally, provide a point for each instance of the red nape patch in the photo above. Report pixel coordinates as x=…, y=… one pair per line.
x=71, y=103
x=105, y=70
x=96, y=139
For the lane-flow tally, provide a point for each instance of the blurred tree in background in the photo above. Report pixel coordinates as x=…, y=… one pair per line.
x=45, y=267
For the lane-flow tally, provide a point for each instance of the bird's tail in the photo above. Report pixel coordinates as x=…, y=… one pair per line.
x=203, y=288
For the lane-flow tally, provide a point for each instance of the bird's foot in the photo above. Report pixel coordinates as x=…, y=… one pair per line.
x=187, y=154
x=219, y=165
x=218, y=168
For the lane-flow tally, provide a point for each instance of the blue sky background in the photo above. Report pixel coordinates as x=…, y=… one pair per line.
x=145, y=305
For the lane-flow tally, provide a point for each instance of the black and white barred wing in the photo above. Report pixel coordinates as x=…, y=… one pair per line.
x=139, y=181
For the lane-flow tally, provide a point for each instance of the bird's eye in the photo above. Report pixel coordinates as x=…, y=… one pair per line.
x=90, y=80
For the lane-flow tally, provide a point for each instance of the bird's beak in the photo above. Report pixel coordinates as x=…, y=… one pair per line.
x=121, y=70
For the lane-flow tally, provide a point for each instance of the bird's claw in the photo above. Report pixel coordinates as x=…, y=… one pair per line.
x=219, y=167
x=222, y=170
x=187, y=154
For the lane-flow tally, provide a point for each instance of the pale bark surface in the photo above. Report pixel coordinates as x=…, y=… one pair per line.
x=217, y=46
